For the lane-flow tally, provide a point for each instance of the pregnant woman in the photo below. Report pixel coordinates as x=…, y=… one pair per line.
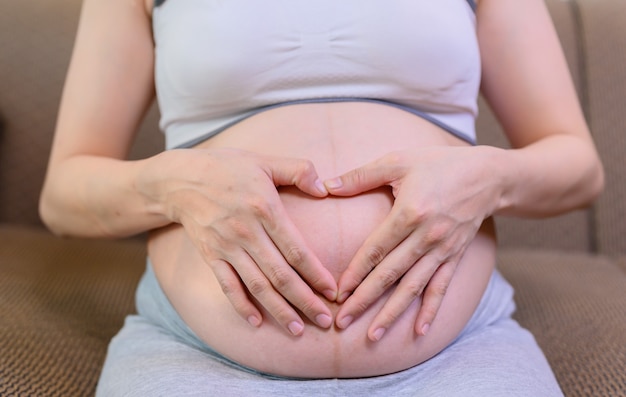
x=320, y=222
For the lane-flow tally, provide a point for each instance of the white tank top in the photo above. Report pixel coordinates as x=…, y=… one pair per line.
x=220, y=61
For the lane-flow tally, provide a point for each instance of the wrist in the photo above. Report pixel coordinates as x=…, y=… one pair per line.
x=502, y=170
x=150, y=183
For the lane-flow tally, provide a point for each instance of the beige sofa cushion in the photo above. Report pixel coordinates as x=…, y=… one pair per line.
x=61, y=301
x=575, y=306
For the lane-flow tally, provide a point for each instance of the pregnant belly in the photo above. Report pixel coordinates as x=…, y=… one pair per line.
x=334, y=228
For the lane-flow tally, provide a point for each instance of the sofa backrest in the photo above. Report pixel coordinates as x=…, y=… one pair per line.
x=36, y=39
x=35, y=46
x=603, y=23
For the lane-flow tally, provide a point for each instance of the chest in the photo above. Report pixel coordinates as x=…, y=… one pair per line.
x=228, y=51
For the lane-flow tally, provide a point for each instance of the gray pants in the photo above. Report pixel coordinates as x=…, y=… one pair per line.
x=156, y=354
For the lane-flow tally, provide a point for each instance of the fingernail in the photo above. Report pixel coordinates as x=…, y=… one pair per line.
x=320, y=186
x=295, y=328
x=330, y=295
x=344, y=322
x=254, y=321
x=334, y=183
x=324, y=320
x=378, y=334
x=425, y=329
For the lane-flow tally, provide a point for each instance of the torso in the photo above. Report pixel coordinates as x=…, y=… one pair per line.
x=336, y=137
x=215, y=59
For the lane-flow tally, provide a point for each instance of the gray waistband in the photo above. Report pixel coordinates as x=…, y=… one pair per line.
x=153, y=304
x=459, y=134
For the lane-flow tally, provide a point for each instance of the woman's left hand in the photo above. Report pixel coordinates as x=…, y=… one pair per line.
x=442, y=195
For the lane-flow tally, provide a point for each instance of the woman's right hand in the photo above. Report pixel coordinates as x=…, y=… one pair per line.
x=229, y=206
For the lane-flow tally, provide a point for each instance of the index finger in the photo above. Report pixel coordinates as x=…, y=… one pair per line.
x=391, y=232
x=295, y=251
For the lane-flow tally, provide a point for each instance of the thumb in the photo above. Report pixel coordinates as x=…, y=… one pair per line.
x=379, y=173
x=301, y=173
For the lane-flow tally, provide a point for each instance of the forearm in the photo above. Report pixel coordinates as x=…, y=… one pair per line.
x=554, y=175
x=90, y=196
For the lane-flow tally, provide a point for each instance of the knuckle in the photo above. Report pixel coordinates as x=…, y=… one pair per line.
x=294, y=255
x=230, y=288
x=388, y=277
x=440, y=230
x=361, y=307
x=305, y=167
x=280, y=278
x=375, y=255
x=395, y=158
x=410, y=217
x=240, y=230
x=437, y=235
x=260, y=207
x=258, y=285
x=206, y=248
x=448, y=248
x=308, y=305
x=429, y=311
x=415, y=288
x=416, y=251
x=358, y=176
x=438, y=289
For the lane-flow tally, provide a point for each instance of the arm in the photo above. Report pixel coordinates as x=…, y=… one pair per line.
x=88, y=188
x=226, y=200
x=552, y=169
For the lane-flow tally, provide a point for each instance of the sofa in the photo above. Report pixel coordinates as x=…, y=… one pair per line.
x=62, y=300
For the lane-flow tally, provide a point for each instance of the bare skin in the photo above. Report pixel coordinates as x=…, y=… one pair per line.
x=337, y=138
